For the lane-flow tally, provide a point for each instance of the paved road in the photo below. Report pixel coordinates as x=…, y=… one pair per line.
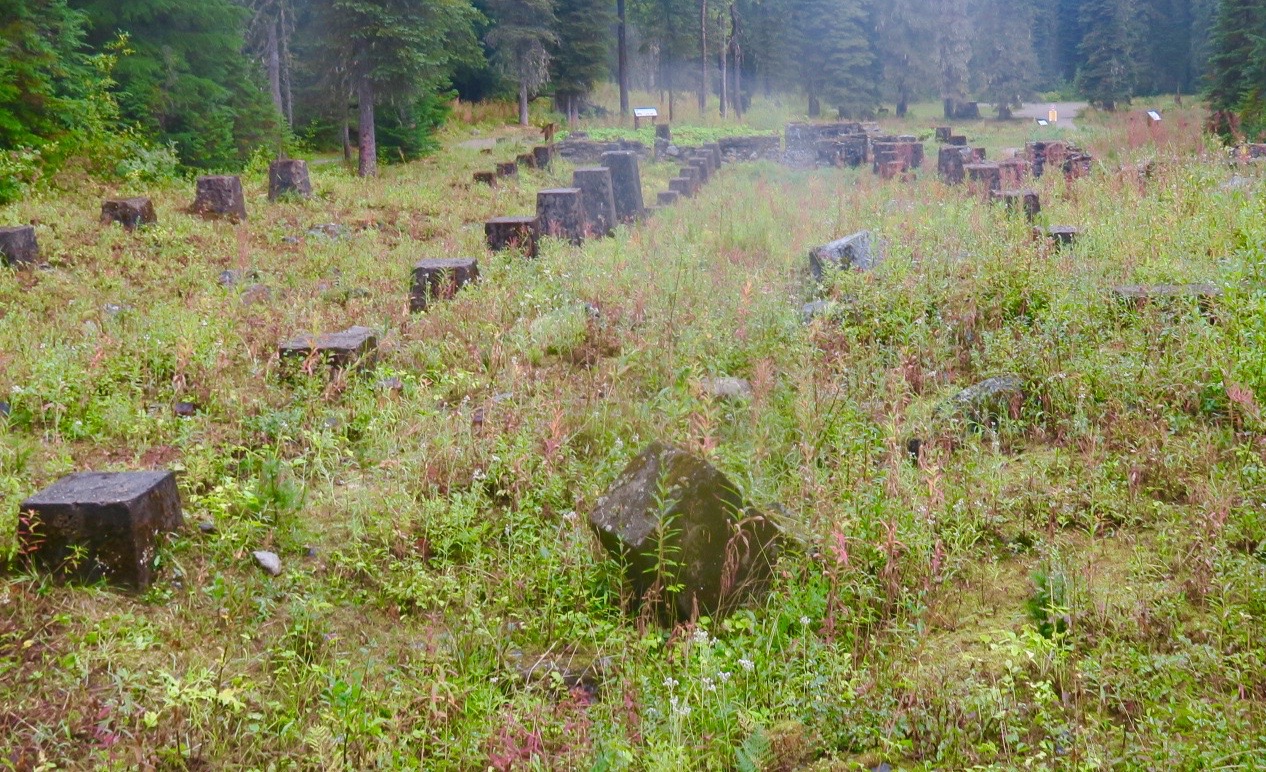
x=1067, y=111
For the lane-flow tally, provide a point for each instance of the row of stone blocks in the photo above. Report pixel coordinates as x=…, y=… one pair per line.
x=700, y=165
x=600, y=197
x=540, y=157
x=216, y=196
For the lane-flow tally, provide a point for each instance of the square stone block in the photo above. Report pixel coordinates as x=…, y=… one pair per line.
x=100, y=525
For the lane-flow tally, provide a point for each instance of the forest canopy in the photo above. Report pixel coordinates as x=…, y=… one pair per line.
x=149, y=87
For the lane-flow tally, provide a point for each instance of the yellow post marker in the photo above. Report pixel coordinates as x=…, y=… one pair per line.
x=1052, y=115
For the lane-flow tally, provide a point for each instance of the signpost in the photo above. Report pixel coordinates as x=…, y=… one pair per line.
x=643, y=112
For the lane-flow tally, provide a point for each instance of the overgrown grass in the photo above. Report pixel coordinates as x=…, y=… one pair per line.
x=1080, y=587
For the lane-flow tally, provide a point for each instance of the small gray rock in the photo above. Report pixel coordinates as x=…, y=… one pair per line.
x=256, y=294
x=857, y=250
x=207, y=527
x=987, y=402
x=268, y=561
x=727, y=388
x=1237, y=183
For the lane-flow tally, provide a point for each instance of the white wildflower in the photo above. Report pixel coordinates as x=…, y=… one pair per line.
x=747, y=665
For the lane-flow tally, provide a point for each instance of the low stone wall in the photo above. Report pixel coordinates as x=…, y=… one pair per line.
x=734, y=149
x=580, y=150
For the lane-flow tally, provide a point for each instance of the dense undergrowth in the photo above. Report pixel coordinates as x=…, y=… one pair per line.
x=1080, y=588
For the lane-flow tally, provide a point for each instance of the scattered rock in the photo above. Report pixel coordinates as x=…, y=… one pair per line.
x=5, y=410
x=1237, y=182
x=567, y=668
x=853, y=251
x=256, y=294
x=344, y=295
x=207, y=527
x=726, y=388
x=115, y=310
x=817, y=309
x=987, y=402
x=309, y=552
x=185, y=409
x=391, y=384
x=331, y=230
x=233, y=277
x=268, y=561
x=669, y=502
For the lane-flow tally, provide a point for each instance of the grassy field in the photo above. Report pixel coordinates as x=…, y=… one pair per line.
x=1082, y=587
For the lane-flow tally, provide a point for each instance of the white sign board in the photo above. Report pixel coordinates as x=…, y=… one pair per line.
x=645, y=112
x=1043, y=122
x=1153, y=115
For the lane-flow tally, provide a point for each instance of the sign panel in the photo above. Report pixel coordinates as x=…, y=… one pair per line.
x=1043, y=122
x=1153, y=115
x=645, y=112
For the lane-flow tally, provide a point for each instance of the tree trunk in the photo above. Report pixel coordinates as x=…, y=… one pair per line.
x=287, y=94
x=725, y=73
x=272, y=56
x=738, y=62
x=815, y=107
x=703, y=57
x=523, y=103
x=903, y=101
x=622, y=61
x=368, y=142
x=347, y=142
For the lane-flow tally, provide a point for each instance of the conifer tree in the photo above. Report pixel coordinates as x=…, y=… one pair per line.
x=521, y=35
x=1003, y=59
x=42, y=73
x=953, y=51
x=835, y=56
x=1237, y=60
x=905, y=34
x=394, y=51
x=1106, y=76
x=581, y=52
x=185, y=80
